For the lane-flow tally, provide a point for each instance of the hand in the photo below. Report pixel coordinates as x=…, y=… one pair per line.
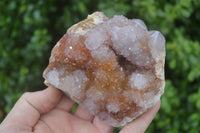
x=47, y=111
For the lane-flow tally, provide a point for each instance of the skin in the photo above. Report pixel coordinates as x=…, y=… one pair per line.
x=47, y=111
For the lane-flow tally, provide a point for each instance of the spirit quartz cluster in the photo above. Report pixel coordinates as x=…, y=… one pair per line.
x=113, y=67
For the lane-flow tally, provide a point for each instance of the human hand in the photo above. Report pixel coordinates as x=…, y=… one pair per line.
x=47, y=111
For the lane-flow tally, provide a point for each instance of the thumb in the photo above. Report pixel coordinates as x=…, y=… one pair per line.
x=30, y=106
x=141, y=123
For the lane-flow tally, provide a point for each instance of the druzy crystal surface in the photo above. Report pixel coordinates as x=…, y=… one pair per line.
x=113, y=67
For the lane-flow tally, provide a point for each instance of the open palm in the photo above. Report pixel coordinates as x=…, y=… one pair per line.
x=48, y=111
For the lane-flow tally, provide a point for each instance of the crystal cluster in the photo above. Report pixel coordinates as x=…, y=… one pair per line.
x=113, y=67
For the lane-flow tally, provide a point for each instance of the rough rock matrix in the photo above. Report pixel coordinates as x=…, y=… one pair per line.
x=113, y=67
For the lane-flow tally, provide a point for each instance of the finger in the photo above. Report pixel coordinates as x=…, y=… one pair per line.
x=28, y=108
x=65, y=104
x=58, y=121
x=82, y=113
x=61, y=122
x=141, y=123
x=101, y=126
x=45, y=100
x=42, y=127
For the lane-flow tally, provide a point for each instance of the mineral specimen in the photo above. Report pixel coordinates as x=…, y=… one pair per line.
x=113, y=67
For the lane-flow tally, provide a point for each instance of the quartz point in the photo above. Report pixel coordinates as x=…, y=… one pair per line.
x=113, y=67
